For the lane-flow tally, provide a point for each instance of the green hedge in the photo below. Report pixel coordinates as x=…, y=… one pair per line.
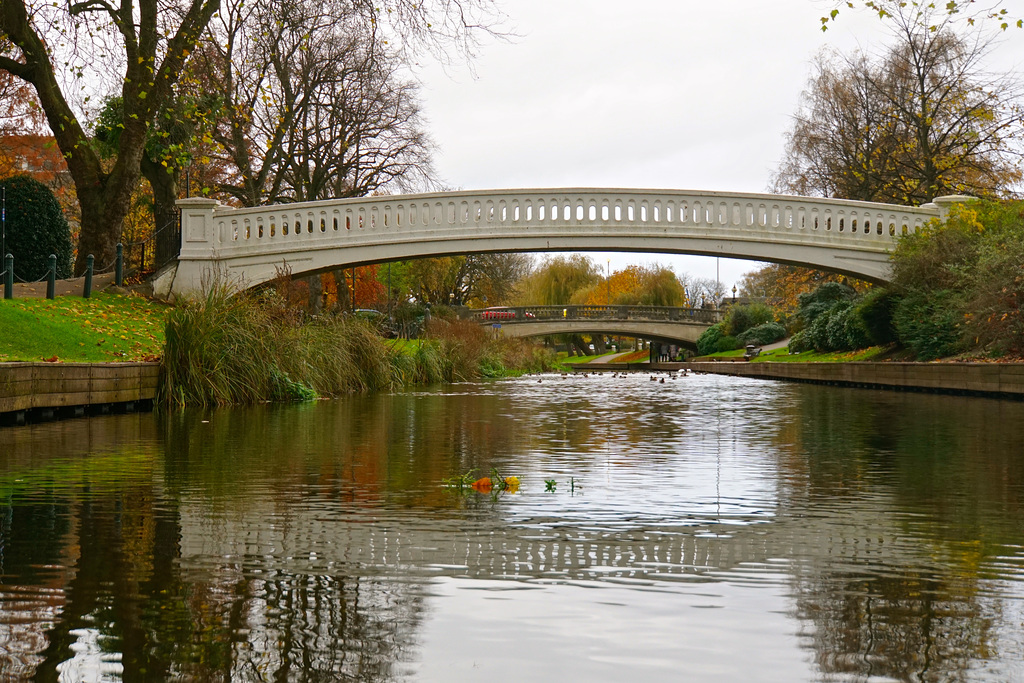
x=36, y=228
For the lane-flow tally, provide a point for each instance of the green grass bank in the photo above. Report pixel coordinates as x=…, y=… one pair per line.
x=103, y=328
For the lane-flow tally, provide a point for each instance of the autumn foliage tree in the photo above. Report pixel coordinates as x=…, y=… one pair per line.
x=921, y=120
x=636, y=285
x=780, y=286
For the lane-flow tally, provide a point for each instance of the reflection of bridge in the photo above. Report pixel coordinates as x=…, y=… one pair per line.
x=251, y=244
x=659, y=323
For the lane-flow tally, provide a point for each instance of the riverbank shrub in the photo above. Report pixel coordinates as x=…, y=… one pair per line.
x=707, y=342
x=875, y=308
x=740, y=318
x=961, y=284
x=831, y=321
x=929, y=323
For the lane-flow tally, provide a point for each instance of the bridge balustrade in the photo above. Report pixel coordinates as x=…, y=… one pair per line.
x=252, y=244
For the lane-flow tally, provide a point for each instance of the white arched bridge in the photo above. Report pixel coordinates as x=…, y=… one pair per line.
x=249, y=246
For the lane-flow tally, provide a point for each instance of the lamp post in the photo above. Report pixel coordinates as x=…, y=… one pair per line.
x=734, y=295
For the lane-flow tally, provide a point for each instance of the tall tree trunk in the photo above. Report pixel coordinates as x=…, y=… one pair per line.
x=164, y=184
x=316, y=291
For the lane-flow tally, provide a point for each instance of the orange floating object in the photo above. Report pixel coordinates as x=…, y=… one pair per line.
x=483, y=484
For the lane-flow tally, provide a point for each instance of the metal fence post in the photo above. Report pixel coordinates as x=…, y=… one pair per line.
x=89, y=261
x=9, y=276
x=119, y=267
x=51, y=277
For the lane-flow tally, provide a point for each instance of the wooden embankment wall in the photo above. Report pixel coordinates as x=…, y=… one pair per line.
x=32, y=386
x=992, y=379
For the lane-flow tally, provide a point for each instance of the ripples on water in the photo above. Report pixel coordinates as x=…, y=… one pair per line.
x=703, y=528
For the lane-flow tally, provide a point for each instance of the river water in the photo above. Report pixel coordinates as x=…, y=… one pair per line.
x=702, y=528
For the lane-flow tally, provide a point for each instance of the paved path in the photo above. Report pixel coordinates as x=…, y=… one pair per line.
x=73, y=287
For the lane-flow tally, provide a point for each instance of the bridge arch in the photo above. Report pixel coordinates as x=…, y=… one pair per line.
x=248, y=246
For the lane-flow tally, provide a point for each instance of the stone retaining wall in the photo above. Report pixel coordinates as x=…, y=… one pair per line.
x=28, y=386
x=1002, y=379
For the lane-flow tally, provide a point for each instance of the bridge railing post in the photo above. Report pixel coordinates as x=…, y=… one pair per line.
x=197, y=227
x=945, y=203
x=199, y=243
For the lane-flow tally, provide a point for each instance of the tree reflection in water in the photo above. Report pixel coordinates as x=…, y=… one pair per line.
x=933, y=488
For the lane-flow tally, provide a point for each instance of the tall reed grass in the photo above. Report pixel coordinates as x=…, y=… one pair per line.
x=227, y=348
x=247, y=348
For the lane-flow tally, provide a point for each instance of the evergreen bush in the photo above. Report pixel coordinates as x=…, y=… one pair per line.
x=765, y=333
x=727, y=343
x=874, y=310
x=928, y=323
x=740, y=318
x=707, y=342
x=36, y=228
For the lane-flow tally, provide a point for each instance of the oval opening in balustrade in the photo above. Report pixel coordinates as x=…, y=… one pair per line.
x=259, y=229
x=842, y=224
x=273, y=228
x=348, y=222
x=284, y=227
x=335, y=224
x=323, y=225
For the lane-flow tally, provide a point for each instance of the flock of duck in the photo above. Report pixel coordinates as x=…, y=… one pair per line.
x=622, y=375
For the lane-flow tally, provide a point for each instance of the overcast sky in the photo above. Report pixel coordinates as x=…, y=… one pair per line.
x=679, y=94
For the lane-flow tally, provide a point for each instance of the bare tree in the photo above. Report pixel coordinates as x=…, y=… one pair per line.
x=922, y=120
x=317, y=101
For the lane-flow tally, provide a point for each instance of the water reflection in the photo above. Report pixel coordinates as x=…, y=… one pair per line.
x=879, y=532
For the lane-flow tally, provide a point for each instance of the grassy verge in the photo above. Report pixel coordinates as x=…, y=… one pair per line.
x=104, y=327
x=783, y=356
